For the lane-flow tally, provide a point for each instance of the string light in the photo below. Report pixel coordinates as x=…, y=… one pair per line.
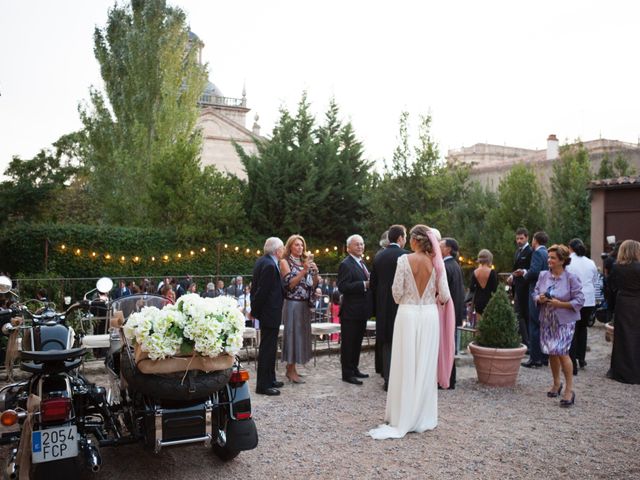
x=192, y=253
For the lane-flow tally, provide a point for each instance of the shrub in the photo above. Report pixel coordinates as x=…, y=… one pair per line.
x=499, y=326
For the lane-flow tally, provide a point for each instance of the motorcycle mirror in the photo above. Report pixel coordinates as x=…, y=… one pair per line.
x=5, y=284
x=104, y=285
x=7, y=328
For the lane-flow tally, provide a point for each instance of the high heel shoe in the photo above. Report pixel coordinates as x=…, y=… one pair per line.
x=555, y=394
x=568, y=403
x=295, y=380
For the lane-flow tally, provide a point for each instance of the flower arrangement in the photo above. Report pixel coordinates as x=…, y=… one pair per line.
x=194, y=325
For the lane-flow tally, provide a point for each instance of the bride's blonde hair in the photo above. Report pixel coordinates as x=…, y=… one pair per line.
x=420, y=233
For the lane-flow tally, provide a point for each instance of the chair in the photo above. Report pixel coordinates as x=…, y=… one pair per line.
x=371, y=328
x=250, y=337
x=319, y=330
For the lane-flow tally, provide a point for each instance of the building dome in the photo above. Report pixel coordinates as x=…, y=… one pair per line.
x=212, y=90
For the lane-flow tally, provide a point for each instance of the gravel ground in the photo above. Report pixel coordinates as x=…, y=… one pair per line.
x=318, y=430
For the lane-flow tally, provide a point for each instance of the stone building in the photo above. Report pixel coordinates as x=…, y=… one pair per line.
x=492, y=162
x=223, y=121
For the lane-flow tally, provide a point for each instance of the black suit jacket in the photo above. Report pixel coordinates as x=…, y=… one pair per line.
x=456, y=287
x=384, y=306
x=356, y=301
x=267, y=293
x=522, y=259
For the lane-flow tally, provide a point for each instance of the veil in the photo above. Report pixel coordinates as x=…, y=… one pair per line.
x=446, y=314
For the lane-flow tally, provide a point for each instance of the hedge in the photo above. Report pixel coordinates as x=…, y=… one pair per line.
x=81, y=251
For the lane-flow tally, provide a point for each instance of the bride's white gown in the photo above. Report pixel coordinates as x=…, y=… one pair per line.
x=412, y=397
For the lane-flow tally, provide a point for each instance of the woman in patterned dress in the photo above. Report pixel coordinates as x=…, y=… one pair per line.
x=559, y=294
x=300, y=276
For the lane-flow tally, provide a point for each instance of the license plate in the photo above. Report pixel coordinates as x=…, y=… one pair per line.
x=54, y=444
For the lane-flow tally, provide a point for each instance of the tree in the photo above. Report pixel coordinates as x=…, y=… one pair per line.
x=417, y=187
x=34, y=185
x=571, y=207
x=521, y=203
x=307, y=179
x=143, y=146
x=620, y=167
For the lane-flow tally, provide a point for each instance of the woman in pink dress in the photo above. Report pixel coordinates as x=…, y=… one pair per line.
x=335, y=312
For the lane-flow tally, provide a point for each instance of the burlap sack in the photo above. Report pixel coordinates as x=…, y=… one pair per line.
x=181, y=363
x=117, y=319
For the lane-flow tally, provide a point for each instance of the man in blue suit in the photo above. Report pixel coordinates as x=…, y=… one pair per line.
x=538, y=264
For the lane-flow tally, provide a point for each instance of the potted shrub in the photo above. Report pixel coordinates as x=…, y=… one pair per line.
x=497, y=351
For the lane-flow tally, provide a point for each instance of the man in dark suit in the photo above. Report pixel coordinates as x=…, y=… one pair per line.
x=267, y=296
x=538, y=264
x=450, y=249
x=521, y=263
x=219, y=291
x=384, y=306
x=236, y=288
x=353, y=283
x=122, y=290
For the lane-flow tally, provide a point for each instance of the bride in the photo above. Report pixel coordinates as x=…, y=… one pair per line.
x=422, y=349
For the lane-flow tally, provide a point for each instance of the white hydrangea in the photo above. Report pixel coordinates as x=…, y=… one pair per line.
x=212, y=325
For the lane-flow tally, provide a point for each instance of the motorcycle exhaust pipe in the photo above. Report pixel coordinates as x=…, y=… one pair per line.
x=92, y=458
x=11, y=472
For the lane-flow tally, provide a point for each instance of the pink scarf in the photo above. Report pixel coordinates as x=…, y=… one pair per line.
x=447, y=316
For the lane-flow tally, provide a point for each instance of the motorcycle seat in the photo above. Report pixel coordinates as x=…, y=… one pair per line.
x=51, y=360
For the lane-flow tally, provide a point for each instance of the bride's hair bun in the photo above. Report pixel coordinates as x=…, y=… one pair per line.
x=420, y=233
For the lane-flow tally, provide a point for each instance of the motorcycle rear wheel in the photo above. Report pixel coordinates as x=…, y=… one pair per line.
x=221, y=448
x=67, y=469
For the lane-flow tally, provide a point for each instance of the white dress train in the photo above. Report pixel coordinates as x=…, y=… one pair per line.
x=412, y=397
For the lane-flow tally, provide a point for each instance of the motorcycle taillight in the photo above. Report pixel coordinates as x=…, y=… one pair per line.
x=239, y=376
x=55, y=409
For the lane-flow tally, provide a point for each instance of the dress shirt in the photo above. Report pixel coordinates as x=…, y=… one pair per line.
x=587, y=272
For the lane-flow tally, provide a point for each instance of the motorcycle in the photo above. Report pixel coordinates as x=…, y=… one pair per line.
x=61, y=420
x=163, y=410
x=52, y=411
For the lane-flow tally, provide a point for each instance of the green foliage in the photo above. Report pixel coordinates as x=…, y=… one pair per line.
x=305, y=179
x=468, y=219
x=570, y=203
x=620, y=167
x=521, y=202
x=33, y=185
x=499, y=326
x=142, y=144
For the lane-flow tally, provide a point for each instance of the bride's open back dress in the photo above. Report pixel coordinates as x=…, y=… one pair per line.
x=412, y=397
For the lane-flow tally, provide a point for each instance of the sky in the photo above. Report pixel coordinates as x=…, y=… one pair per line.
x=500, y=72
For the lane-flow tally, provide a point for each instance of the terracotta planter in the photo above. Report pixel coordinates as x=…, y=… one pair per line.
x=608, y=333
x=497, y=367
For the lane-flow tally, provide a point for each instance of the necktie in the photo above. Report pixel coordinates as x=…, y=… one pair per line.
x=364, y=269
